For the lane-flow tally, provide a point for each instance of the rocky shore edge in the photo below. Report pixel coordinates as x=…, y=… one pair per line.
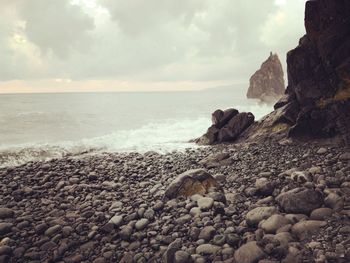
x=240, y=203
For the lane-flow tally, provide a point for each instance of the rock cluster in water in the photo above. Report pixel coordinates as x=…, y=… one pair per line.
x=317, y=101
x=267, y=84
x=226, y=203
x=227, y=126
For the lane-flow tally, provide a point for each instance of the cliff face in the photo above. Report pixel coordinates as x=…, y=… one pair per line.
x=316, y=104
x=267, y=84
x=317, y=100
x=318, y=95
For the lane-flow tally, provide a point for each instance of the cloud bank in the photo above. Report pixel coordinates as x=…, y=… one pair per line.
x=144, y=41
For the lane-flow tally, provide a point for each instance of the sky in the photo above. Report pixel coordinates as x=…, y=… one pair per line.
x=141, y=45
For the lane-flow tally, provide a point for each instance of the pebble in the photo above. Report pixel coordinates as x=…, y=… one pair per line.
x=206, y=249
x=321, y=213
x=6, y=213
x=249, y=253
x=116, y=220
x=322, y=150
x=182, y=257
x=256, y=215
x=205, y=203
x=207, y=233
x=5, y=228
x=305, y=229
x=273, y=223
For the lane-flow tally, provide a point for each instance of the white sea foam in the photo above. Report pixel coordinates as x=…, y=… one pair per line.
x=163, y=135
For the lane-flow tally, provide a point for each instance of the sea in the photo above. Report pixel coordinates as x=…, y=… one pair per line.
x=39, y=127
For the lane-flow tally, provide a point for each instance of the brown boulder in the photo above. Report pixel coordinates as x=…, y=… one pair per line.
x=189, y=183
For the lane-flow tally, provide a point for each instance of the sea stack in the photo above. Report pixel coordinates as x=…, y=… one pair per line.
x=267, y=84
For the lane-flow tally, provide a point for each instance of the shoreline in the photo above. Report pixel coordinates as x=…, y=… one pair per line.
x=111, y=207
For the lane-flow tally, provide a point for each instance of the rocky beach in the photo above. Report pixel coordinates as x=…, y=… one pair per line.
x=271, y=190
x=267, y=202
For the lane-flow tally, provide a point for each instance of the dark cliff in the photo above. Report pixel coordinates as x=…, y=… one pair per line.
x=316, y=104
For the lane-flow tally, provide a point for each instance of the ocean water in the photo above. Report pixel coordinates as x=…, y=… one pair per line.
x=43, y=126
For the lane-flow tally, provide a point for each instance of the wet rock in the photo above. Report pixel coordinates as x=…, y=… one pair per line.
x=300, y=200
x=232, y=129
x=221, y=118
x=235, y=127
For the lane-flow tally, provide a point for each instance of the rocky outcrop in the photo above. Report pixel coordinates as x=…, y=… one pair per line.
x=267, y=84
x=317, y=101
x=227, y=126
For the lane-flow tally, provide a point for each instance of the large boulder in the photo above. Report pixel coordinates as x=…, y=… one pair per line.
x=227, y=126
x=267, y=84
x=189, y=183
x=300, y=200
x=235, y=127
x=221, y=118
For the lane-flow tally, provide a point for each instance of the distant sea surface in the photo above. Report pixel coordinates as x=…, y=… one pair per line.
x=44, y=126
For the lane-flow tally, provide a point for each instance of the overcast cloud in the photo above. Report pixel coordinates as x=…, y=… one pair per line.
x=144, y=41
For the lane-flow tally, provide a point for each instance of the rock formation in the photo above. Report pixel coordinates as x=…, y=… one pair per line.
x=317, y=100
x=267, y=84
x=227, y=126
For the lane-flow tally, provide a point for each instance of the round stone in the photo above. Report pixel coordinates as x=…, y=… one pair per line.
x=141, y=224
x=6, y=213
x=205, y=203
